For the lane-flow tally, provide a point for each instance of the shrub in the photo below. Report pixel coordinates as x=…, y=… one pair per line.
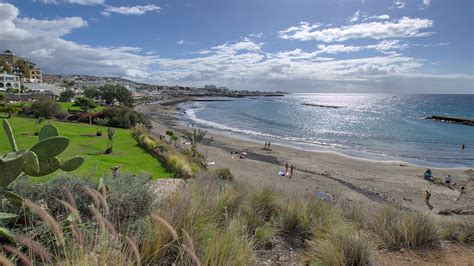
x=261, y=207
x=295, y=219
x=44, y=108
x=231, y=246
x=129, y=198
x=47, y=193
x=462, y=232
x=124, y=117
x=67, y=95
x=342, y=246
x=224, y=174
x=403, y=229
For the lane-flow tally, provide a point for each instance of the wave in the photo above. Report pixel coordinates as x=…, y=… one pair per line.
x=191, y=113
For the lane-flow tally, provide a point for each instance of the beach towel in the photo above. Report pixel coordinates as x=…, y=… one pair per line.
x=281, y=173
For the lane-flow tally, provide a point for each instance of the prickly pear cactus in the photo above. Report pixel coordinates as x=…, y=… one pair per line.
x=39, y=160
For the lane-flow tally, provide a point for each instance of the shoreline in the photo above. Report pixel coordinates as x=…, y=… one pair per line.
x=361, y=181
x=315, y=147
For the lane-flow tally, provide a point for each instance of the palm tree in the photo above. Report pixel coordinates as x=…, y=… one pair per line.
x=195, y=138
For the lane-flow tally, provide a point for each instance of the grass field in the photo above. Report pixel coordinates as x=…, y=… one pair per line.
x=84, y=142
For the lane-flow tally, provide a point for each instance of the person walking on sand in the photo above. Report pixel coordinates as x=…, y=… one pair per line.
x=447, y=180
x=268, y=146
x=291, y=170
x=286, y=168
x=427, y=199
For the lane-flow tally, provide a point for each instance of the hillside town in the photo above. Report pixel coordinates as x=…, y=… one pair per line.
x=23, y=80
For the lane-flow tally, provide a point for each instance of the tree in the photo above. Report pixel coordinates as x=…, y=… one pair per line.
x=67, y=95
x=110, y=92
x=11, y=109
x=107, y=93
x=69, y=83
x=123, y=95
x=86, y=104
x=110, y=137
x=91, y=92
x=195, y=138
x=2, y=97
x=46, y=108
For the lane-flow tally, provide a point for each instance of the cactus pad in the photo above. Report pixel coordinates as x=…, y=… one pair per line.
x=9, y=132
x=72, y=164
x=46, y=167
x=9, y=171
x=50, y=147
x=31, y=162
x=48, y=131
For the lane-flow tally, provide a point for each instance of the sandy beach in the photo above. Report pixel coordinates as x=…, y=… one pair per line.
x=366, y=183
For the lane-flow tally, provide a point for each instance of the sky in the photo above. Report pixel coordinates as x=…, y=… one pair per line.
x=387, y=46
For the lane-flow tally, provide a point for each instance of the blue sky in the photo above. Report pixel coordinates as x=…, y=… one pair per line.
x=395, y=46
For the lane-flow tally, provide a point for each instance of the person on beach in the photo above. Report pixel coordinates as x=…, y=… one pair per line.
x=462, y=147
x=266, y=145
x=286, y=168
x=291, y=170
x=427, y=199
x=428, y=175
x=447, y=180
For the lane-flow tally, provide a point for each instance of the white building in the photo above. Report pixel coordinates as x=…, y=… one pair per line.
x=9, y=81
x=41, y=88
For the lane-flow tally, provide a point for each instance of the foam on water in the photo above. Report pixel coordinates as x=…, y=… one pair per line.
x=372, y=126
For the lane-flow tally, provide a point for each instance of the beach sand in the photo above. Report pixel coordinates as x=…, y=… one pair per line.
x=366, y=183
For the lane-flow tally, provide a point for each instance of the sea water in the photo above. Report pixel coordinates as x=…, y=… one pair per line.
x=374, y=126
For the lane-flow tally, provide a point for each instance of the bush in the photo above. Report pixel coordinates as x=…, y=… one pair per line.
x=397, y=229
x=462, y=232
x=231, y=246
x=129, y=198
x=124, y=117
x=48, y=192
x=342, y=246
x=45, y=108
x=224, y=174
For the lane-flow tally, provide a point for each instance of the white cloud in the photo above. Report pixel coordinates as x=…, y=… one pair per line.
x=355, y=17
x=180, y=42
x=42, y=42
x=243, y=64
x=77, y=2
x=402, y=28
x=400, y=3
x=58, y=27
x=256, y=35
x=426, y=3
x=381, y=17
x=130, y=10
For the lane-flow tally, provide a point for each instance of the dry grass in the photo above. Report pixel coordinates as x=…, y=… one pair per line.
x=396, y=229
x=342, y=246
x=215, y=222
x=462, y=232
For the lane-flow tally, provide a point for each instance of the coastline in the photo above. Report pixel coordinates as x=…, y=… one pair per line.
x=365, y=182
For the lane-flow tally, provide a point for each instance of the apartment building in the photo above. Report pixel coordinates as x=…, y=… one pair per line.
x=25, y=69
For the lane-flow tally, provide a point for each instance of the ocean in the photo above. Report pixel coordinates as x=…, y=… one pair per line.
x=372, y=126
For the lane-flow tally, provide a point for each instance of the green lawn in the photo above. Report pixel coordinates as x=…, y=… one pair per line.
x=83, y=142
